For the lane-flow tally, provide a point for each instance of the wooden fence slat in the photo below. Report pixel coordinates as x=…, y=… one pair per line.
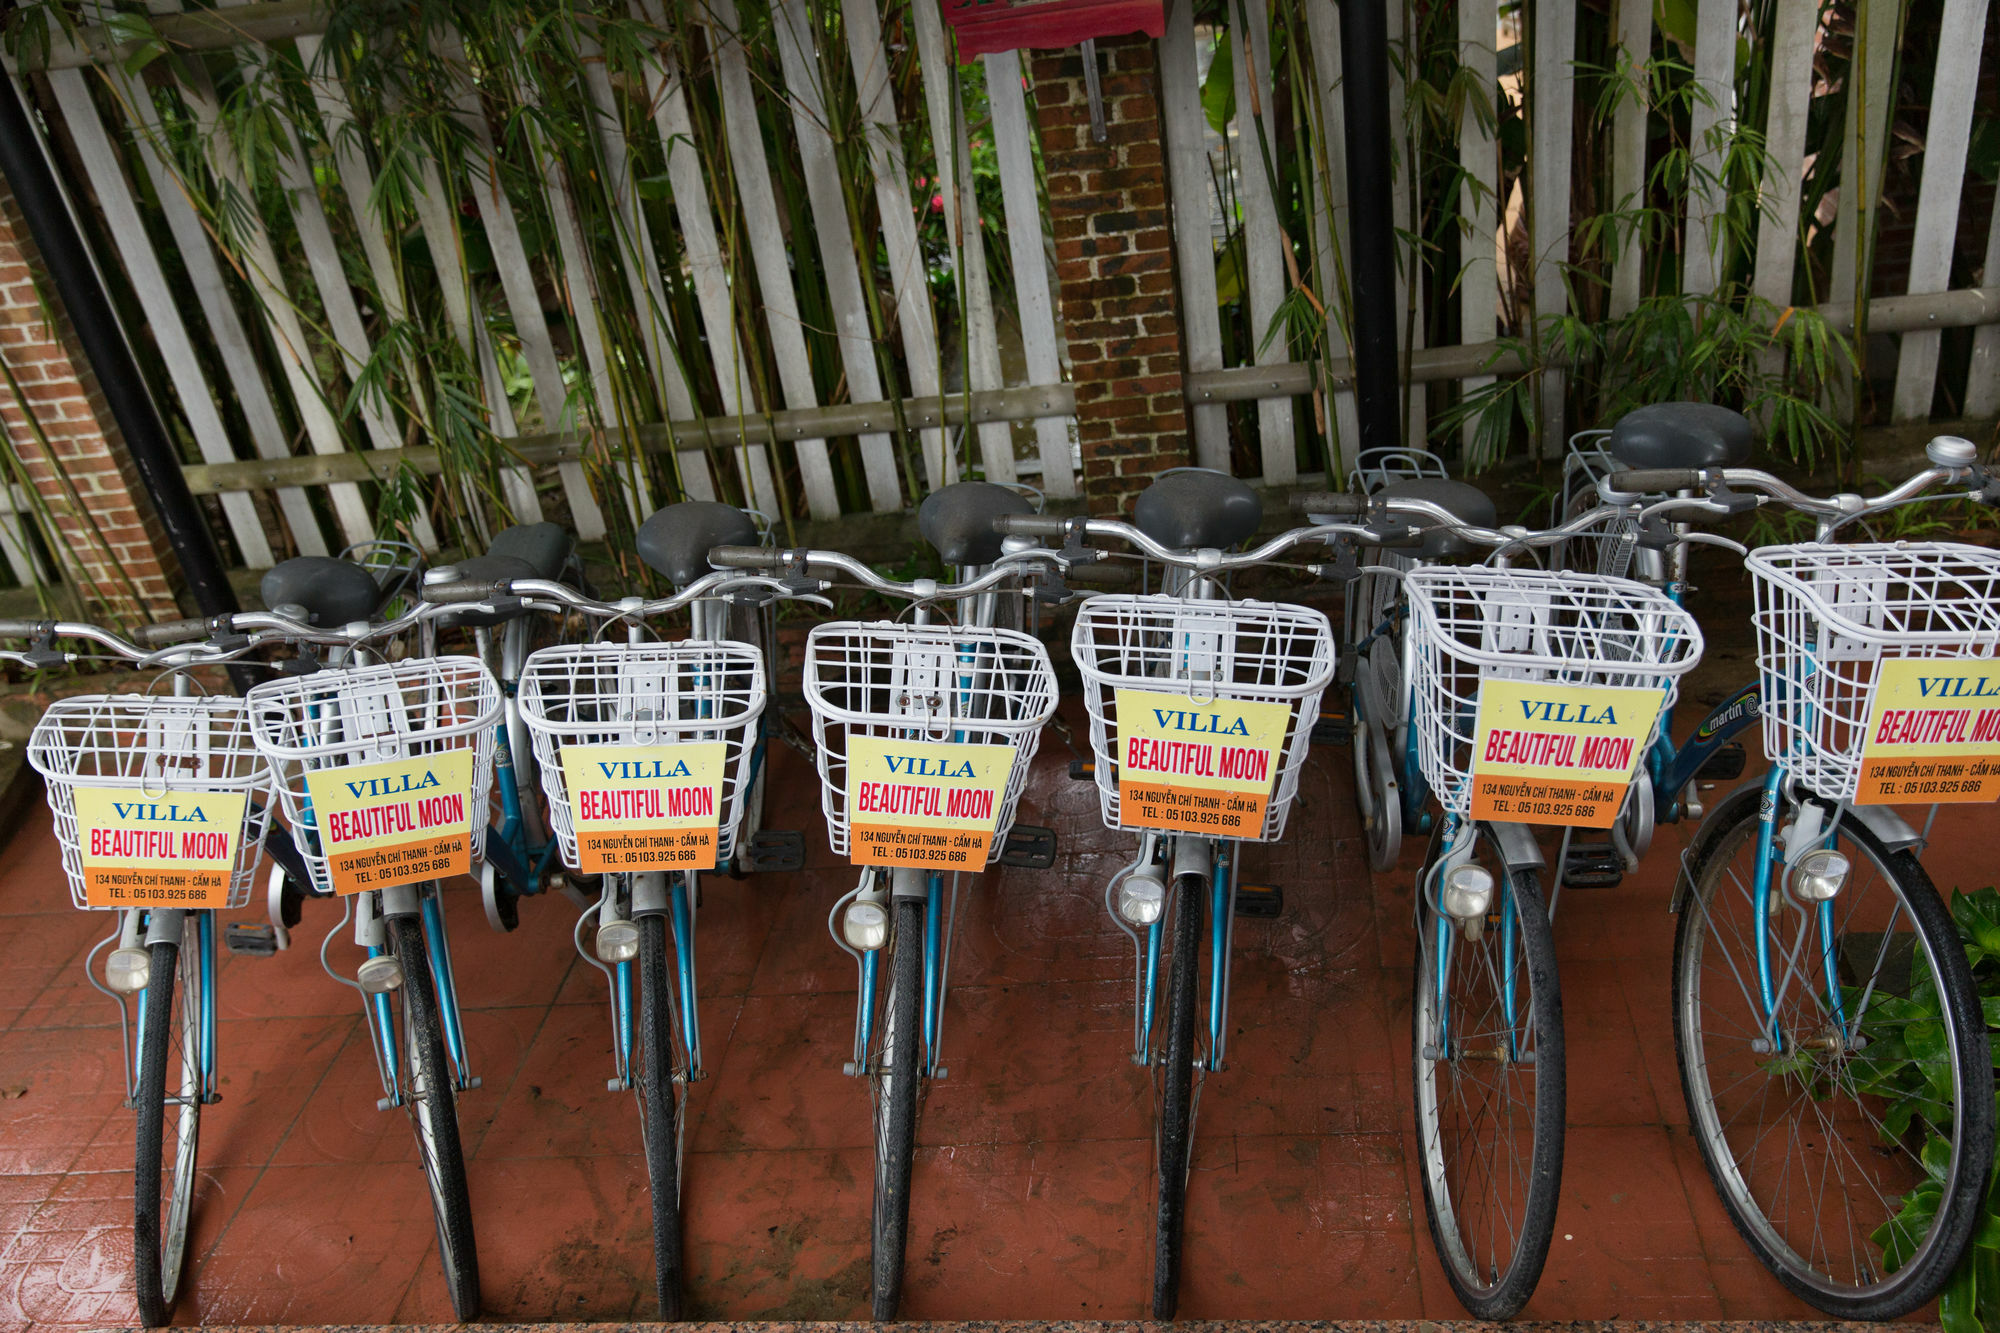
x=1628, y=150
x=1330, y=227
x=1792, y=42
x=1262, y=235
x=1405, y=203
x=767, y=248
x=1551, y=124
x=1709, y=120
x=1869, y=108
x=149, y=282
x=1945, y=142
x=882, y=137
x=1182, y=123
x=1479, y=290
x=1034, y=307
x=834, y=235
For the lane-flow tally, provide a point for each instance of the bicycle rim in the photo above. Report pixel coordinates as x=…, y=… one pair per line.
x=433, y=1108
x=900, y=1069
x=658, y=1110
x=1489, y=1085
x=1177, y=1089
x=1789, y=1115
x=169, y=1132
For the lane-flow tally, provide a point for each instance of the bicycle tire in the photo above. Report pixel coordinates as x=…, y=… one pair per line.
x=1470, y=1239
x=658, y=1111
x=433, y=1106
x=1967, y=1062
x=896, y=1085
x=1176, y=1119
x=1382, y=796
x=161, y=1200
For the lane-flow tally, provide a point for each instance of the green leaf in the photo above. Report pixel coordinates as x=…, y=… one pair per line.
x=1228, y=275
x=1218, y=90
x=1958, y=1303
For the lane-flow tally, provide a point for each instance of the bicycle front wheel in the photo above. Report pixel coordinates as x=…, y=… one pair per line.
x=899, y=1070
x=1488, y=1039
x=169, y=1103
x=434, y=1108
x=1176, y=1094
x=658, y=1111
x=1864, y=1081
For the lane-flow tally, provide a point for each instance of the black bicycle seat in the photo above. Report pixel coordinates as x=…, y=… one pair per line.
x=1195, y=509
x=676, y=540
x=524, y=551
x=958, y=520
x=1677, y=435
x=333, y=592
x=1463, y=501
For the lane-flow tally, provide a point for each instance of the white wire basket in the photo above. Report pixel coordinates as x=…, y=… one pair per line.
x=1476, y=623
x=1828, y=616
x=345, y=717
x=959, y=684
x=645, y=694
x=156, y=747
x=1240, y=652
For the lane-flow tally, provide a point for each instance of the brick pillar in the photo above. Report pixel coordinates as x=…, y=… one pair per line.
x=1114, y=258
x=62, y=391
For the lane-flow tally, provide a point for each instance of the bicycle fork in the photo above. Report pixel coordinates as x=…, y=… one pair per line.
x=142, y=928
x=382, y=974
x=1765, y=898
x=902, y=883
x=1198, y=865
x=623, y=900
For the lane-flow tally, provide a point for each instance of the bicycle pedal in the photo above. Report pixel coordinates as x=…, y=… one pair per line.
x=773, y=850
x=1724, y=764
x=1262, y=902
x=1029, y=847
x=254, y=939
x=1594, y=865
x=1082, y=770
x=1332, y=731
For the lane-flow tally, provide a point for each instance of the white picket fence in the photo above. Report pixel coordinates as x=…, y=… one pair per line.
x=310, y=328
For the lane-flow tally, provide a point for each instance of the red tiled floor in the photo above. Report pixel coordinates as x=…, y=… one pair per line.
x=1033, y=1194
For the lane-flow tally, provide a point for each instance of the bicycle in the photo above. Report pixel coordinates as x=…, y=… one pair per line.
x=923, y=733
x=1805, y=919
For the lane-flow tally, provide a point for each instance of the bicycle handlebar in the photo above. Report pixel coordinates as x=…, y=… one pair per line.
x=1346, y=504
x=1654, y=481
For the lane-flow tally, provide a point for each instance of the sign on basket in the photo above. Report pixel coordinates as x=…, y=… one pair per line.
x=932, y=804
x=391, y=822
x=1203, y=767
x=1933, y=733
x=1558, y=754
x=645, y=807
x=176, y=849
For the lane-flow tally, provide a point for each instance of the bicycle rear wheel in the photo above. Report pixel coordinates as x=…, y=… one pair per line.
x=1488, y=1051
x=169, y=1131
x=434, y=1109
x=1797, y=1120
x=1177, y=1093
x=899, y=1072
x=658, y=1111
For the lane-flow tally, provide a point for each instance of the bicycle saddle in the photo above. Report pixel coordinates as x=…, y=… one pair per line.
x=1464, y=502
x=958, y=520
x=524, y=551
x=1196, y=509
x=333, y=592
x=1664, y=435
x=676, y=540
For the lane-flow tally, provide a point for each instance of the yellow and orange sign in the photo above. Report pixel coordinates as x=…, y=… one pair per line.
x=1558, y=754
x=1205, y=767
x=645, y=807
x=170, y=850
x=935, y=804
x=1933, y=733
x=396, y=821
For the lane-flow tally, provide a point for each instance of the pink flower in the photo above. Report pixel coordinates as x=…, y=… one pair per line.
x=920, y=182
x=937, y=203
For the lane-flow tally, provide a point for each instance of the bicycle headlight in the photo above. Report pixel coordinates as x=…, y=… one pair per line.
x=380, y=974
x=1468, y=891
x=1142, y=899
x=128, y=970
x=865, y=923
x=618, y=941
x=1819, y=875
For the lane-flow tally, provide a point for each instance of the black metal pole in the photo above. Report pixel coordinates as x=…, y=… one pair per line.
x=1371, y=235
x=68, y=263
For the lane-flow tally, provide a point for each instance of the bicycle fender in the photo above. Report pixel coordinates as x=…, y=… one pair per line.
x=1518, y=846
x=1890, y=829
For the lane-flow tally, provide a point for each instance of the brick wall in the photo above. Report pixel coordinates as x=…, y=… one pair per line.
x=1114, y=258
x=124, y=552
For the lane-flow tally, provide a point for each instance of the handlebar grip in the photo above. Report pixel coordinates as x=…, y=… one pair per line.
x=20, y=629
x=168, y=631
x=466, y=590
x=746, y=557
x=1339, y=504
x=1101, y=575
x=1655, y=480
x=1030, y=525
